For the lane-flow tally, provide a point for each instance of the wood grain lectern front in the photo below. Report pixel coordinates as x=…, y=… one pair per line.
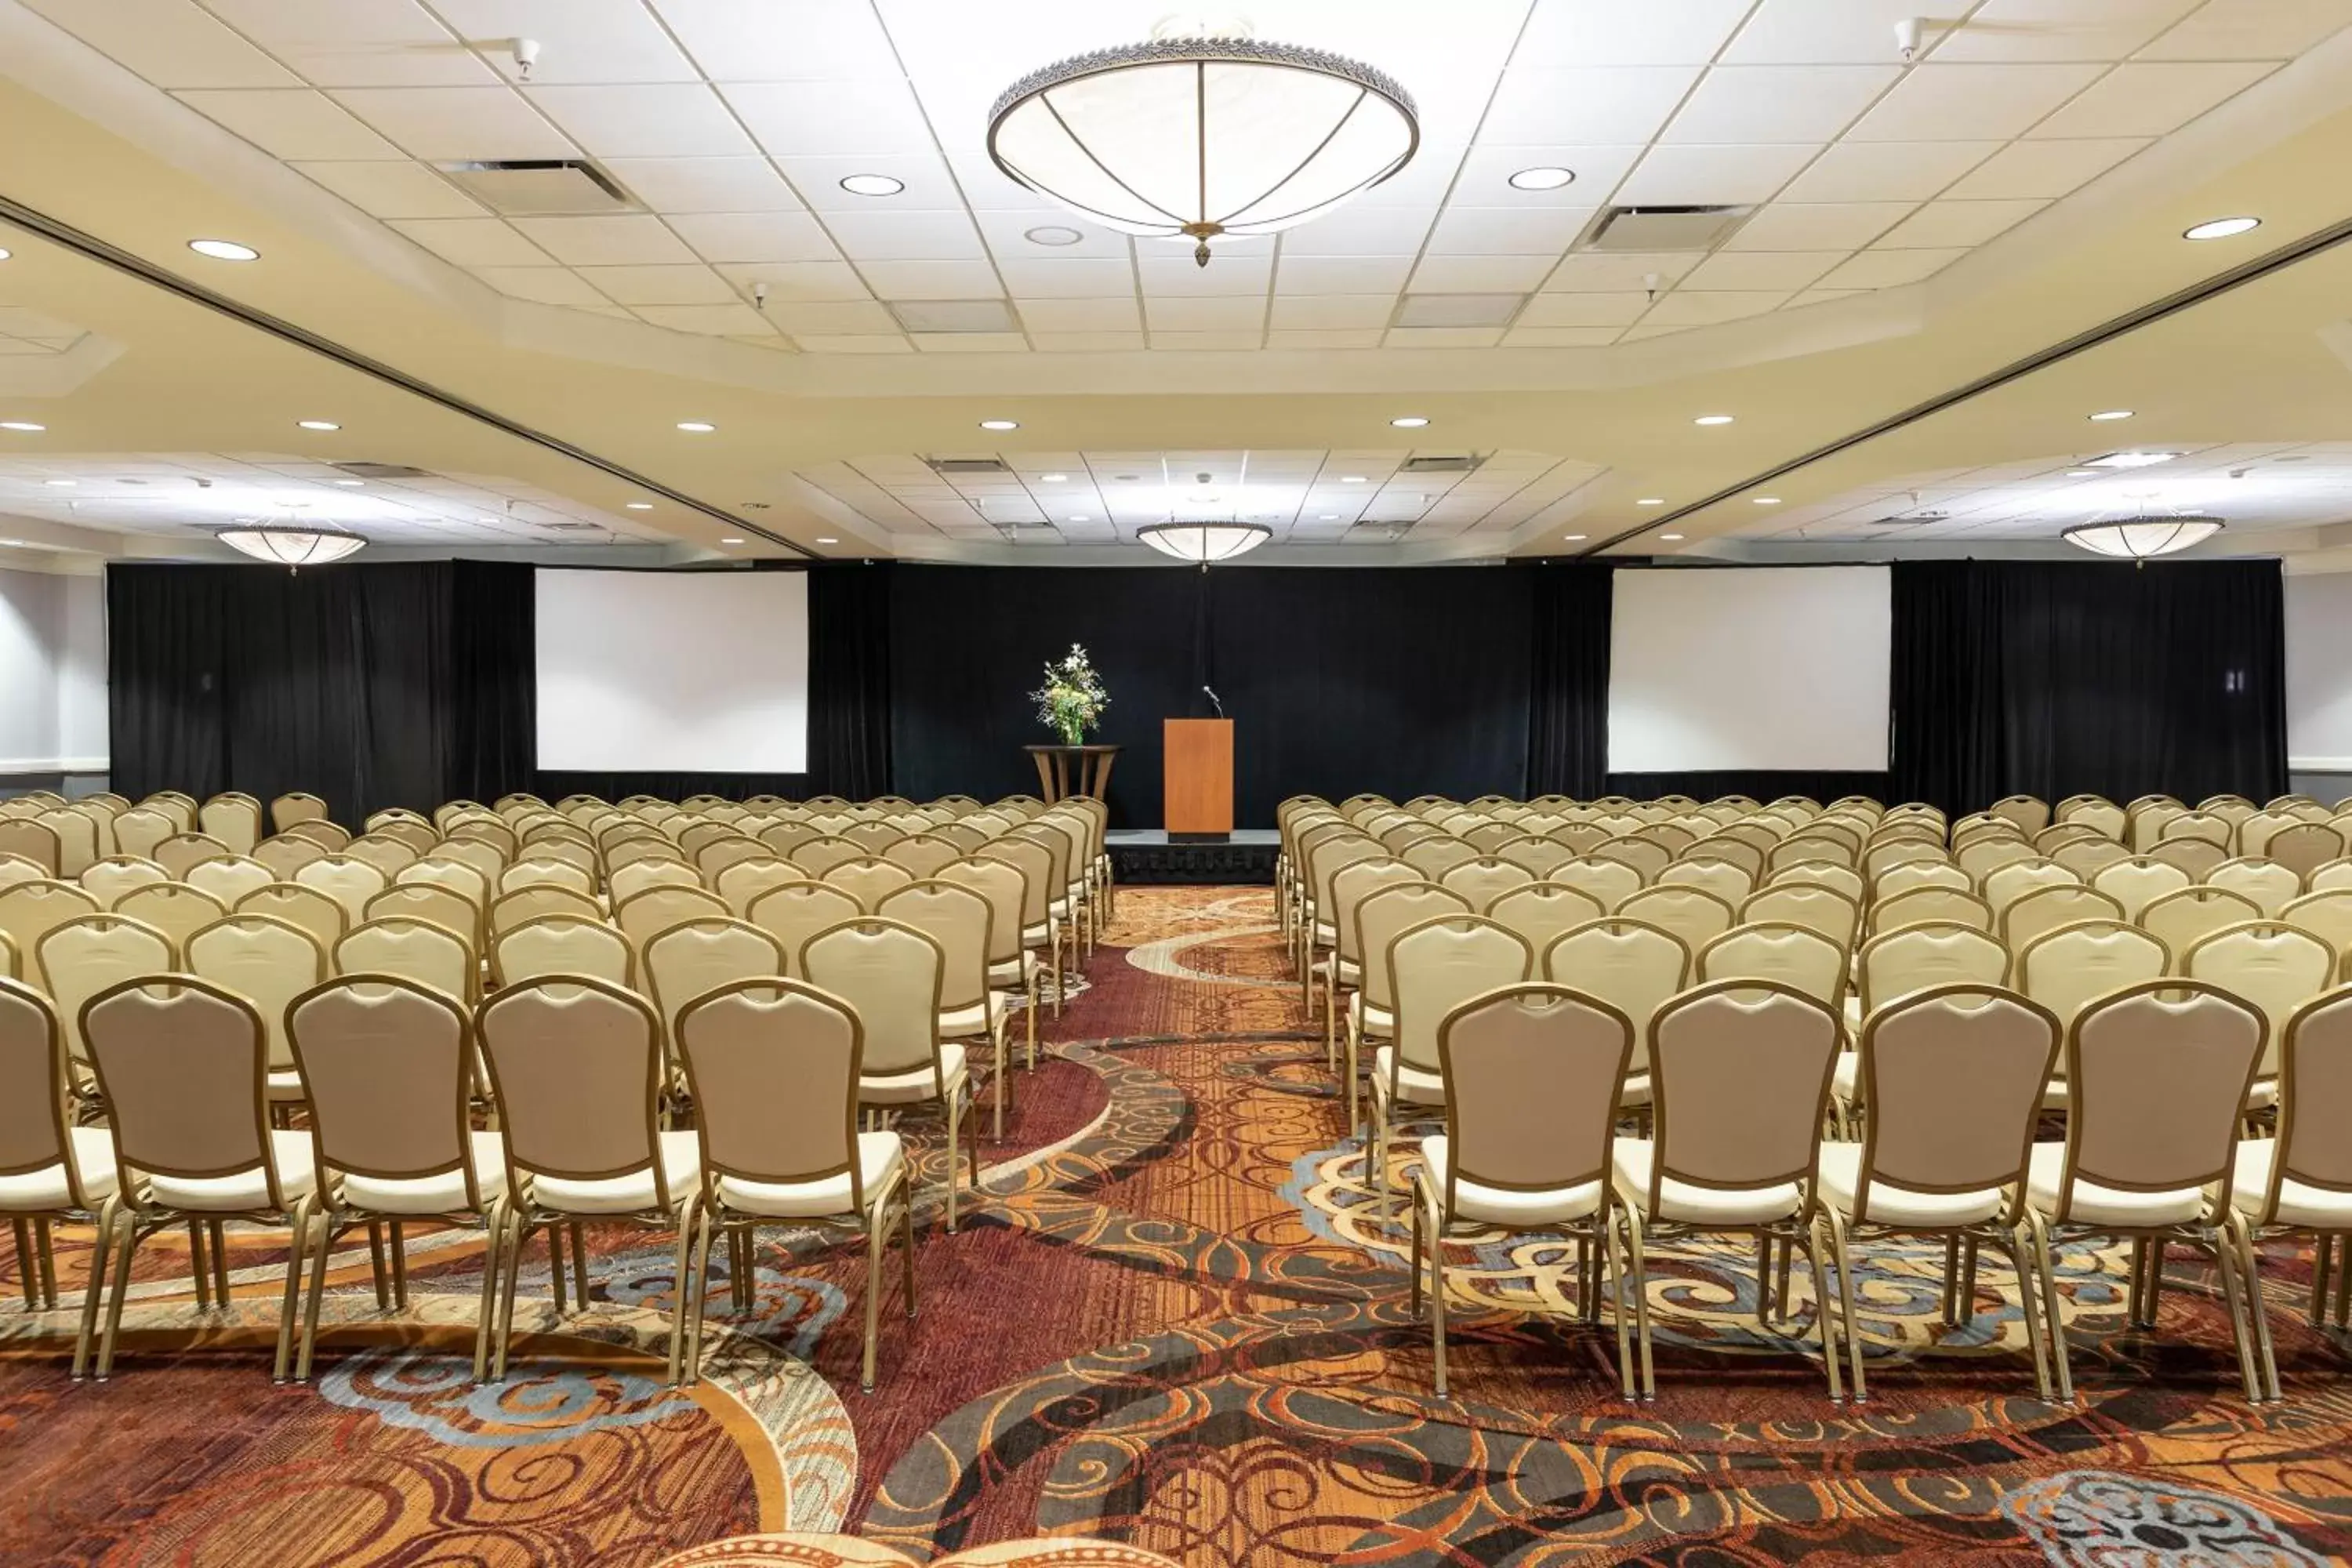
x=1199, y=778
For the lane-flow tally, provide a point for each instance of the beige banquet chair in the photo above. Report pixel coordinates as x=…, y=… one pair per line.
x=2087, y=856
x=1934, y=905
x=796, y=912
x=2158, y=1071
x=509, y=911
x=1838, y=879
x=233, y=819
x=1532, y=1073
x=643, y=916
x=1484, y=879
x=739, y=884
x=626, y=880
x=974, y=1011
x=1434, y=966
x=136, y=831
x=182, y=850
x=1632, y=967
x=2304, y=847
x=229, y=877
x=445, y=907
x=1610, y=881
x=1953, y=1075
x=576, y=1064
x=108, y=879
x=535, y=870
x=183, y=1064
x=306, y=909
x=29, y=911
x=415, y=950
x=349, y=882
x=78, y=839
x=51, y=1168
x=2301, y=1180
x=549, y=945
x=1378, y=919
x=2271, y=886
x=2180, y=921
x=289, y=809
x=1544, y=911
x=1824, y=909
x=868, y=879
x=1044, y=926
x=2198, y=856
x=1740, y=1074
x=1726, y=880
x=388, y=1065
x=1013, y=968
x=682, y=962
x=1343, y=965
x=77, y=959
x=286, y=854
x=1793, y=955
x=1897, y=964
x=176, y=910
x=2048, y=907
x=2326, y=914
x=2137, y=881
x=1696, y=918
x=2004, y=885
x=2273, y=967
x=774, y=1066
x=269, y=961
x=386, y=854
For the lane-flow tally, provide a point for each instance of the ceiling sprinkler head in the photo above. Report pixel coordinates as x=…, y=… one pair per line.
x=1907, y=38
x=526, y=54
x=1650, y=281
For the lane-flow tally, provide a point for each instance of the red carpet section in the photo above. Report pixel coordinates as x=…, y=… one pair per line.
x=1178, y=1319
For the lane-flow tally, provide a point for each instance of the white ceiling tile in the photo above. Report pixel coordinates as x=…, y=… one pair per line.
x=1196, y=341
x=1617, y=310
x=450, y=123
x=1598, y=106
x=675, y=285
x=1816, y=226
x=906, y=235
x=1230, y=314
x=547, y=285
x=1612, y=33
x=1890, y=269
x=1114, y=315
x=1441, y=337
x=969, y=342
x=402, y=188
x=609, y=241
x=1360, y=230
x=1948, y=222
x=2060, y=29
x=805, y=281
x=1507, y=231
x=1085, y=278
x=1166, y=273
x=1334, y=310
x=755, y=236
x=1885, y=170
x=1600, y=272
x=1422, y=182
x=2151, y=100
x=1713, y=175
x=1085, y=342
x=854, y=344
x=580, y=41
x=169, y=42
x=1686, y=308
x=2043, y=169
x=1964, y=103
x=705, y=184
x=1484, y=179
x=929, y=186
x=357, y=42
x=1480, y=274
x=473, y=241
x=1325, y=338
x=780, y=40
x=1762, y=271
x=1824, y=32
x=643, y=120
x=1822, y=297
x=1007, y=235
x=932, y=280
x=829, y=119
x=289, y=122
x=2251, y=30
x=1776, y=103
x=1340, y=274
x=709, y=320
x=831, y=320
x=1559, y=337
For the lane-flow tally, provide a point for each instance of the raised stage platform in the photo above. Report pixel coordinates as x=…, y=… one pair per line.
x=1144, y=854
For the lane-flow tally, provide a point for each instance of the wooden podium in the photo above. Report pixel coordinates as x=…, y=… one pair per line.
x=1199, y=766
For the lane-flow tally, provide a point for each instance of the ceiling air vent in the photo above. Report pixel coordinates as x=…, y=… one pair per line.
x=568, y=525
x=381, y=471
x=967, y=466
x=1911, y=520
x=528, y=186
x=1441, y=463
x=1664, y=228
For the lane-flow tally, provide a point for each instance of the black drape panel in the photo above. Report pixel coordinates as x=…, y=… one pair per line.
x=1568, y=679
x=1945, y=685
x=849, y=678
x=494, y=719
x=1398, y=681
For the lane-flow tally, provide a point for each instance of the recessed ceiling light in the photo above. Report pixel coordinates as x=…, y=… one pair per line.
x=2107, y=413
x=1651, y=501
x=1409, y=422
x=4, y=254
x=1768, y=500
x=828, y=542
x=317, y=424
x=1543, y=179
x=1573, y=538
x=21, y=424
x=1000, y=424
x=1080, y=517
x=1351, y=479
x=640, y=505
x=1672, y=538
x=223, y=250
x=696, y=426
x=1052, y=233
x=1053, y=479
x=2130, y=459
x=2081, y=473
x=1712, y=419
x=61, y=482
x=1327, y=517
x=872, y=185
x=730, y=540
x=2221, y=228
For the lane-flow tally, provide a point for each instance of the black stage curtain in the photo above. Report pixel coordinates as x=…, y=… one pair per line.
x=1568, y=679
x=493, y=744
x=1756, y=783
x=2057, y=679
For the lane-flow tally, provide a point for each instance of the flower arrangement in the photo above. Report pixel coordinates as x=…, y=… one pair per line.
x=1072, y=700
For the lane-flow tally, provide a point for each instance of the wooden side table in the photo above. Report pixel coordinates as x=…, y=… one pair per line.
x=1056, y=765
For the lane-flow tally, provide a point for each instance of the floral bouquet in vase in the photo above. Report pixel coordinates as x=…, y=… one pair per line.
x=1072, y=700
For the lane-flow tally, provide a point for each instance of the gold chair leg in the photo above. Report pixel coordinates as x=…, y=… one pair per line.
x=2030, y=1308
x=2322, y=1249
x=323, y=1246
x=580, y=1265
x=484, y=1312
x=1825, y=1317
x=1642, y=1304
x=1609, y=1221
x=1968, y=1299
x=296, y=1256
x=678, y=1292
x=200, y=1265
x=1763, y=1279
x=220, y=1264
x=2257, y=1311
x=2344, y=1281
x=398, y=1242
x=1840, y=1251
x=376, y=1262
x=123, y=1249
x=44, y=1244
x=695, y=1290
x=907, y=1240
x=556, y=1267
x=955, y=1122
x=2045, y=1259
x=2152, y=1300
x=26, y=1268
x=875, y=1234
x=1032, y=1023
x=94, y=1292
x=2241, y=1334
x=517, y=1236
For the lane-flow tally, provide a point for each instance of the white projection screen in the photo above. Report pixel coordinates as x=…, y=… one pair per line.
x=673, y=671
x=1749, y=667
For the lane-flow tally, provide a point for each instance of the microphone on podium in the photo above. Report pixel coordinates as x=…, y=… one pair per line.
x=1213, y=697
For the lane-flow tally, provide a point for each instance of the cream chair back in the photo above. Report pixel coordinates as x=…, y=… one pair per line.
x=1380, y=915
x=174, y=908
x=819, y=856
x=307, y=909
x=1915, y=958
x=1954, y=1077
x=2181, y=920
x=774, y=1066
x=632, y=877
x=289, y=809
x=1544, y=911
x=442, y=870
x=416, y=951
x=1002, y=884
x=960, y=921
x=1725, y=879
x=548, y=945
x=1539, y=855
x=2326, y=915
x=445, y=907
x=284, y=855
x=2315, y=1124
x=1838, y=879
x=1432, y=858
x=1356, y=882
x=2004, y=885
x=684, y=960
x=2068, y=968
x=2138, y=880
x=576, y=1064
x=1697, y=918
x=2046, y=909
x=715, y=857
x=1740, y=1074
x=1934, y=905
x=137, y=831
x=349, y=882
x=2160, y=1073
x=743, y=881
x=1437, y=965
x=924, y=855
x=183, y=850
x=16, y=869
x=267, y=960
x=646, y=915
x=1632, y=966
x=108, y=879
x=2088, y=855
x=1824, y=909
x=230, y=877
x=2269, y=964
x=536, y=870
x=1532, y=1077
x=78, y=958
x=2304, y=848
x=77, y=835
x=889, y=974
x=1902, y=879
x=1484, y=879
x=1642, y=855
x=511, y=910
x=868, y=880
x=29, y=911
x=182, y=1062
x=2271, y=886
x=233, y=819
x=34, y=1082
x=386, y=1068
x=1794, y=955
x=798, y=911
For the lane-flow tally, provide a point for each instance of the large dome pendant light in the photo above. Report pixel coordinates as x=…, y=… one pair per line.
x=1205, y=543
x=1202, y=138
x=2143, y=536
x=293, y=546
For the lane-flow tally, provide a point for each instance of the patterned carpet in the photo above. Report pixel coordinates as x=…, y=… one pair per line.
x=1175, y=1320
